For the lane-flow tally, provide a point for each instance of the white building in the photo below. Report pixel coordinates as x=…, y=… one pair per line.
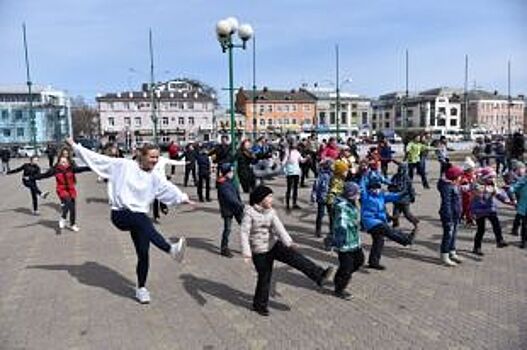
x=354, y=111
x=51, y=108
x=184, y=110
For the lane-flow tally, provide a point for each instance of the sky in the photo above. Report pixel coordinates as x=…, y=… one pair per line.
x=99, y=46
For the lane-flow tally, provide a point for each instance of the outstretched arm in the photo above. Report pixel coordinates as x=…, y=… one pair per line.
x=100, y=164
x=17, y=170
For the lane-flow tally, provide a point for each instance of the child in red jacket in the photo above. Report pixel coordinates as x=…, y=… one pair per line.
x=64, y=172
x=467, y=180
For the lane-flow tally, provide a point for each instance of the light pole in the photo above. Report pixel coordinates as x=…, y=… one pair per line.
x=152, y=87
x=337, y=87
x=255, y=123
x=32, y=123
x=225, y=29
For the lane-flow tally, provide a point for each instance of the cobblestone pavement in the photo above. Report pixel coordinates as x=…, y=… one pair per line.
x=75, y=290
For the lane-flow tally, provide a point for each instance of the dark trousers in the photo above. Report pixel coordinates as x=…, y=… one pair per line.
x=263, y=264
x=321, y=211
x=204, y=180
x=448, y=242
x=496, y=228
x=501, y=165
x=377, y=233
x=349, y=262
x=190, y=168
x=524, y=231
x=34, y=190
x=227, y=224
x=155, y=208
x=443, y=165
x=143, y=232
x=384, y=167
x=305, y=167
x=421, y=171
x=516, y=224
x=68, y=206
x=292, y=186
x=403, y=208
x=51, y=161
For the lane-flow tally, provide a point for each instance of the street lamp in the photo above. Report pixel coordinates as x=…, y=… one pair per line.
x=225, y=29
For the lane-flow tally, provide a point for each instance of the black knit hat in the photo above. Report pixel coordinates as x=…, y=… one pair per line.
x=259, y=194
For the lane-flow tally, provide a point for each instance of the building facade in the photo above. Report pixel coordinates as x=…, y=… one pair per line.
x=184, y=110
x=51, y=108
x=222, y=123
x=276, y=111
x=437, y=111
x=490, y=111
x=354, y=113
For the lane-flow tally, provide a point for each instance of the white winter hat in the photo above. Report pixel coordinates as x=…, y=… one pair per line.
x=469, y=164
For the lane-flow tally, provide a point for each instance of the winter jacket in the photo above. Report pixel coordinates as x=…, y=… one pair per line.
x=65, y=179
x=519, y=191
x=330, y=152
x=203, y=162
x=5, y=155
x=320, y=189
x=291, y=162
x=245, y=160
x=336, y=186
x=29, y=170
x=373, y=211
x=450, y=207
x=345, y=230
x=191, y=157
x=375, y=176
x=229, y=198
x=413, y=152
x=221, y=154
x=386, y=153
x=401, y=182
x=484, y=200
x=260, y=230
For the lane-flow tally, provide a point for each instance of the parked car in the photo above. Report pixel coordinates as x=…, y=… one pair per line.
x=29, y=151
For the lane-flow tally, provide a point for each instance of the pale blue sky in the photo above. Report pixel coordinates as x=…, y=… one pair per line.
x=88, y=46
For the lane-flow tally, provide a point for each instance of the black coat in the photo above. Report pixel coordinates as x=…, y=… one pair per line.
x=450, y=209
x=222, y=154
x=5, y=155
x=229, y=199
x=202, y=159
x=28, y=169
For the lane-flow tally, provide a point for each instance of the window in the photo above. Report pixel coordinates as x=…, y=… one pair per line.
x=453, y=122
x=5, y=114
x=453, y=111
x=441, y=121
x=18, y=114
x=307, y=108
x=191, y=120
x=286, y=108
x=374, y=117
x=126, y=105
x=111, y=121
x=20, y=132
x=165, y=139
x=164, y=121
x=181, y=105
x=137, y=121
x=354, y=115
x=354, y=106
x=293, y=108
x=364, y=118
x=387, y=115
x=269, y=108
x=344, y=117
x=293, y=121
x=181, y=121
x=387, y=125
x=262, y=122
x=127, y=121
x=332, y=118
x=441, y=110
x=190, y=105
x=374, y=125
x=322, y=118
x=269, y=121
x=7, y=132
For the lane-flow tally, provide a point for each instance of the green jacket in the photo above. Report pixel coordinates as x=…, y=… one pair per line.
x=413, y=152
x=345, y=231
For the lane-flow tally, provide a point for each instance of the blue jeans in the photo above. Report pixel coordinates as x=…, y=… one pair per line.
x=143, y=232
x=321, y=211
x=448, y=243
x=227, y=224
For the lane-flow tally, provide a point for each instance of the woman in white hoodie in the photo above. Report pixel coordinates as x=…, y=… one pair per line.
x=132, y=187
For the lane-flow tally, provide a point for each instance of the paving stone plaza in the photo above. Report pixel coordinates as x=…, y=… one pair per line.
x=76, y=290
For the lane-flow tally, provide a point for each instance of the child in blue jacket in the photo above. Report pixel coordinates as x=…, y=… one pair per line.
x=320, y=191
x=518, y=192
x=231, y=205
x=375, y=220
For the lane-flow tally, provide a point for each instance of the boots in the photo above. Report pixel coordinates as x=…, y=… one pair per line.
x=455, y=258
x=445, y=258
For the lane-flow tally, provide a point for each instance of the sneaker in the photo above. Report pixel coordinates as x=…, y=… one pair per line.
x=327, y=275
x=62, y=223
x=226, y=252
x=455, y=258
x=445, y=258
x=177, y=250
x=164, y=211
x=142, y=295
x=74, y=228
x=343, y=295
x=44, y=195
x=36, y=212
x=502, y=244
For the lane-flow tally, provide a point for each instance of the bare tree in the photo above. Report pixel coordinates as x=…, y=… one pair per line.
x=85, y=119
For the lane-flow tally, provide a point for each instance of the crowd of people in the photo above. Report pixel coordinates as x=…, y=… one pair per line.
x=352, y=188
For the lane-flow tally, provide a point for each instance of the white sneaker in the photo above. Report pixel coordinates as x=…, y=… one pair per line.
x=455, y=258
x=74, y=228
x=142, y=295
x=44, y=195
x=445, y=258
x=62, y=223
x=36, y=213
x=177, y=250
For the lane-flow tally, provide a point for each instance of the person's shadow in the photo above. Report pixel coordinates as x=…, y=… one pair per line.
x=196, y=287
x=96, y=275
x=203, y=244
x=52, y=224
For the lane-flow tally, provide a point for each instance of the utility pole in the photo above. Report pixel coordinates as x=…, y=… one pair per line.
x=404, y=113
x=337, y=105
x=152, y=87
x=255, y=123
x=509, y=98
x=467, y=123
x=32, y=123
